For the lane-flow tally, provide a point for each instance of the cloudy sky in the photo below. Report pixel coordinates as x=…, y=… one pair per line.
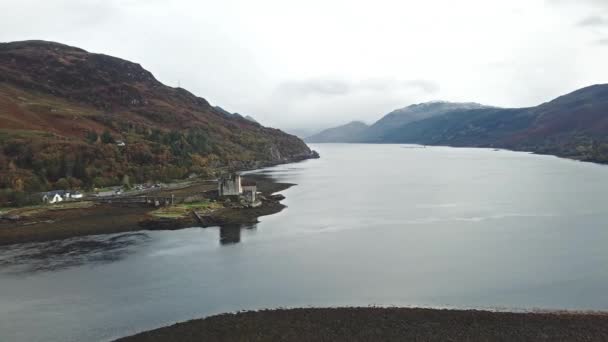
x=316, y=63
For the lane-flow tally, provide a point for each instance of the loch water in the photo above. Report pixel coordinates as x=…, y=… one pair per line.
x=365, y=225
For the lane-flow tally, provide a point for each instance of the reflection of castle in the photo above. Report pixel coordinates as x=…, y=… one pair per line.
x=232, y=185
x=231, y=234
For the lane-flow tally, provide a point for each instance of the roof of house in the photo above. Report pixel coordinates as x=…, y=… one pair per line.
x=56, y=192
x=248, y=183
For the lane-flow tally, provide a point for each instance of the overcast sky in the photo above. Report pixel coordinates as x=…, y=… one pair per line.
x=316, y=63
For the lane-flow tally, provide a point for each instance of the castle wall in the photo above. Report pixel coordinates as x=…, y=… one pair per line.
x=230, y=186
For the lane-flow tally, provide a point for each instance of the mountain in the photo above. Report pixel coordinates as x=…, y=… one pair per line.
x=223, y=111
x=227, y=113
x=356, y=132
x=574, y=126
x=73, y=118
x=345, y=133
x=413, y=113
x=250, y=118
x=302, y=132
x=477, y=127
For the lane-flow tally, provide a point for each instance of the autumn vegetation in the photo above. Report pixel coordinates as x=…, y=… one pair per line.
x=70, y=119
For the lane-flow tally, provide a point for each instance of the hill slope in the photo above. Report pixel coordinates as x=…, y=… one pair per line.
x=351, y=132
x=357, y=132
x=574, y=125
x=413, y=113
x=73, y=118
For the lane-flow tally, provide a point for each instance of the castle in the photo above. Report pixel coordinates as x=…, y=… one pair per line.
x=232, y=185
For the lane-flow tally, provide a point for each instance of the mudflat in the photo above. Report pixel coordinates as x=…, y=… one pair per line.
x=384, y=324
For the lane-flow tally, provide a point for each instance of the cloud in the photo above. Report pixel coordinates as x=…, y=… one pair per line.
x=603, y=41
x=319, y=103
x=337, y=87
x=598, y=25
x=594, y=3
x=360, y=59
x=314, y=87
x=593, y=21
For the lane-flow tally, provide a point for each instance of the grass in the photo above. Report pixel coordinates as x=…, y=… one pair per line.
x=41, y=208
x=184, y=209
x=38, y=102
x=108, y=188
x=22, y=133
x=57, y=108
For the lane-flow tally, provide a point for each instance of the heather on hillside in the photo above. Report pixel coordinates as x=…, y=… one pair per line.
x=80, y=120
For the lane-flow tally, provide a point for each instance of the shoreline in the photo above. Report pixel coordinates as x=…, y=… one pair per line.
x=87, y=218
x=538, y=153
x=384, y=324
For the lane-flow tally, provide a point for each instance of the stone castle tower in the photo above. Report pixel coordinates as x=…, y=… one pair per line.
x=230, y=185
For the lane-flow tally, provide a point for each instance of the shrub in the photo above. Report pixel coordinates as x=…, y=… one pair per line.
x=92, y=137
x=106, y=137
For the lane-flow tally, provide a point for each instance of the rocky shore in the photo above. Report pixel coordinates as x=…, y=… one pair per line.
x=384, y=324
x=57, y=222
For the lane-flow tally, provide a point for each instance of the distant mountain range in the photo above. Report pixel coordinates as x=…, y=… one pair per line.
x=351, y=132
x=574, y=126
x=70, y=118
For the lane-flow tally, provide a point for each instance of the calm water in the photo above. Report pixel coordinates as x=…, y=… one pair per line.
x=367, y=224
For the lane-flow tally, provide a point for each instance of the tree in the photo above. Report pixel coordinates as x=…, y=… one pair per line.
x=3, y=162
x=20, y=199
x=75, y=183
x=79, y=168
x=18, y=185
x=106, y=137
x=92, y=137
x=33, y=184
x=126, y=182
x=62, y=184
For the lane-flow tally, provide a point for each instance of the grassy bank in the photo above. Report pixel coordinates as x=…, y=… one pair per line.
x=34, y=210
x=183, y=210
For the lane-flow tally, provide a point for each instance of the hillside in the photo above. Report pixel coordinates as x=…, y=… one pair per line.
x=574, y=126
x=400, y=117
x=73, y=118
x=356, y=132
x=345, y=133
x=227, y=113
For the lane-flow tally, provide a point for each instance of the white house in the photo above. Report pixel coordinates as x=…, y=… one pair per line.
x=55, y=196
x=77, y=195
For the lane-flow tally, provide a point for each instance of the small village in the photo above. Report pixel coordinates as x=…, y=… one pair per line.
x=231, y=188
x=176, y=201
x=229, y=200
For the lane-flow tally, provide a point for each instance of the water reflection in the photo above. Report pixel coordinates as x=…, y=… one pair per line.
x=88, y=250
x=62, y=254
x=231, y=234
